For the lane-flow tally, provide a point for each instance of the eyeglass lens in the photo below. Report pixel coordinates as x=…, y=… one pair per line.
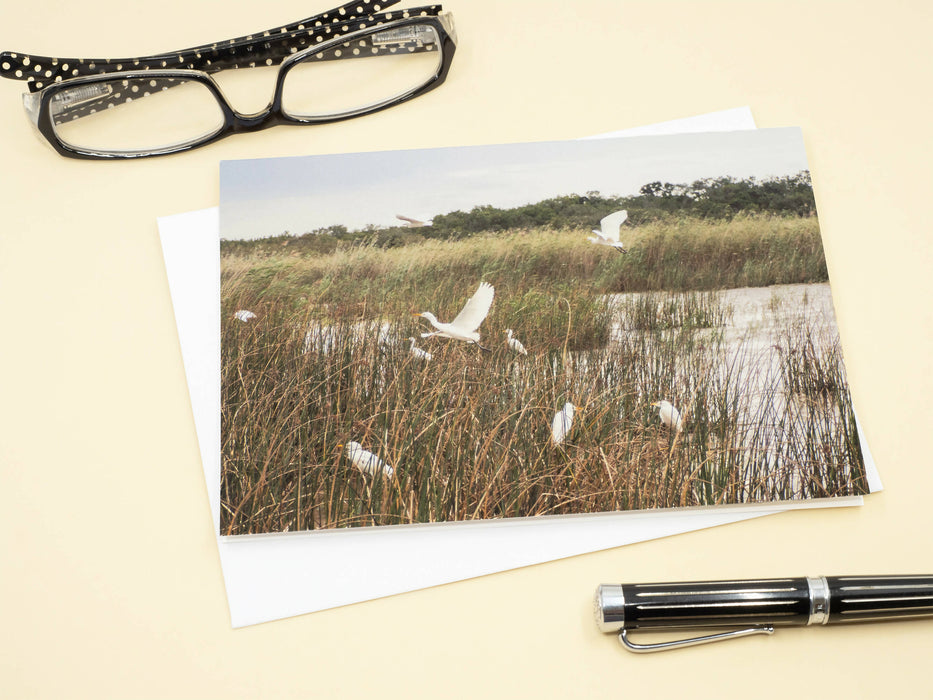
x=135, y=115
x=371, y=71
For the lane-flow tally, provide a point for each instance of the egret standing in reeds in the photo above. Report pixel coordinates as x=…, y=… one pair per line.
x=562, y=423
x=366, y=461
x=465, y=325
x=419, y=353
x=515, y=344
x=244, y=315
x=669, y=415
x=609, y=231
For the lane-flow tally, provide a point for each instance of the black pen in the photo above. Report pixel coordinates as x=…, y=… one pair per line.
x=757, y=606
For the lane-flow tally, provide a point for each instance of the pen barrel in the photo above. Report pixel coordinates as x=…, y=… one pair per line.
x=763, y=602
x=870, y=598
x=696, y=604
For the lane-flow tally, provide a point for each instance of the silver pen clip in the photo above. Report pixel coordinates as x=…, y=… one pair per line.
x=691, y=641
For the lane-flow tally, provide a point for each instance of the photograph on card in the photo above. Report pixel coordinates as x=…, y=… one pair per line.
x=527, y=330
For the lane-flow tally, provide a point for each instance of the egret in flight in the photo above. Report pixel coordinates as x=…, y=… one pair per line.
x=419, y=353
x=515, y=344
x=465, y=325
x=366, y=461
x=670, y=416
x=609, y=231
x=562, y=422
x=244, y=315
x=414, y=223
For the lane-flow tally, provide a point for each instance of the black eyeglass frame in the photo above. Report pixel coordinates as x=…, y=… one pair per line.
x=38, y=104
x=270, y=46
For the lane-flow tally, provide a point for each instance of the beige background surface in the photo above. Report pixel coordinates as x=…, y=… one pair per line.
x=110, y=583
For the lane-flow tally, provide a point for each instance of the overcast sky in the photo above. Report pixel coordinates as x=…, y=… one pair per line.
x=272, y=196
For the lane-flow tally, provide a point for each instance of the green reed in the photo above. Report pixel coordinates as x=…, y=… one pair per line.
x=328, y=361
x=659, y=311
x=683, y=254
x=468, y=432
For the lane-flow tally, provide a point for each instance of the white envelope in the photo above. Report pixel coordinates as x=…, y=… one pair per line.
x=270, y=577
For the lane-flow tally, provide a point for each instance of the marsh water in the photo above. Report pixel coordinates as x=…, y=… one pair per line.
x=759, y=326
x=755, y=314
x=773, y=355
x=756, y=373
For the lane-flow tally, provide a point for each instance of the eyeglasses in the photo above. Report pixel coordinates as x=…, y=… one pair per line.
x=343, y=63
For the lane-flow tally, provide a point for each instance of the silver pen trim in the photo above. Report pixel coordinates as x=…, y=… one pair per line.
x=610, y=607
x=819, y=600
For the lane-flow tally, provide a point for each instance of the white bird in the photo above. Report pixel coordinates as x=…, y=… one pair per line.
x=419, y=353
x=515, y=344
x=609, y=230
x=562, y=422
x=366, y=461
x=670, y=416
x=465, y=325
x=414, y=223
x=244, y=315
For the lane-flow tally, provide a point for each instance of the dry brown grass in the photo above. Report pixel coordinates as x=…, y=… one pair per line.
x=468, y=432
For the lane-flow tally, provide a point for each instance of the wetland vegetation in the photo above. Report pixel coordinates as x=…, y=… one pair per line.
x=765, y=404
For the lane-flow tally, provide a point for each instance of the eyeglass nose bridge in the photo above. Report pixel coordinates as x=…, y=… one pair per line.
x=244, y=122
x=259, y=121
x=239, y=122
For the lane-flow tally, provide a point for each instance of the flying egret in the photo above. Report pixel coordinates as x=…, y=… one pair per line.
x=563, y=421
x=609, y=230
x=366, y=461
x=244, y=315
x=414, y=223
x=515, y=344
x=419, y=353
x=670, y=416
x=464, y=326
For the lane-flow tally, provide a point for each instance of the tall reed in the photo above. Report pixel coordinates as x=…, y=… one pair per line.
x=690, y=254
x=468, y=432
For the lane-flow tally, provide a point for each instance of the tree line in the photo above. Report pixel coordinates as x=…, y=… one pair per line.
x=719, y=198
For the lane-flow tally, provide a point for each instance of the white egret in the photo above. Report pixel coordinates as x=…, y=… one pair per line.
x=366, y=461
x=244, y=315
x=670, y=416
x=419, y=353
x=414, y=223
x=562, y=422
x=609, y=230
x=515, y=344
x=465, y=325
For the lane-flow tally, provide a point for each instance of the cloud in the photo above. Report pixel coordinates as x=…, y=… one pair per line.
x=270, y=196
